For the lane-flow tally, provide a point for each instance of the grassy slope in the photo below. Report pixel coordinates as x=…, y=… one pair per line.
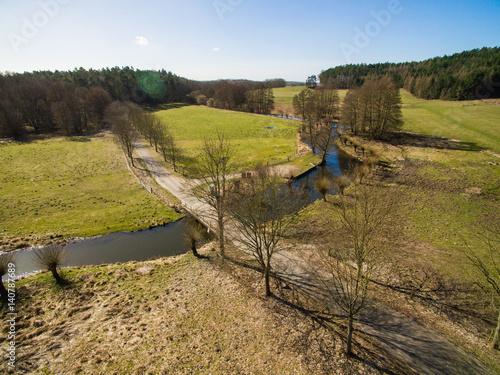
x=71, y=188
x=174, y=316
x=246, y=131
x=469, y=121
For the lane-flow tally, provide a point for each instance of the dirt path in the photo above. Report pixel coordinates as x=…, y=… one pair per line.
x=423, y=349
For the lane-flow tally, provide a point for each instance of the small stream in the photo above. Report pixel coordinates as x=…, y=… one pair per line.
x=168, y=240
x=116, y=247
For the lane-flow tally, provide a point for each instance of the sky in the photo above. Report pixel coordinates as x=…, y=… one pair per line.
x=233, y=39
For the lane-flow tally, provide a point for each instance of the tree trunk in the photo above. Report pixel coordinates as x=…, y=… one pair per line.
x=193, y=248
x=350, y=330
x=496, y=335
x=267, y=277
x=56, y=275
x=222, y=244
x=3, y=292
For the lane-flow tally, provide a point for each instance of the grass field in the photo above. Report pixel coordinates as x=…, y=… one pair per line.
x=468, y=121
x=76, y=187
x=248, y=133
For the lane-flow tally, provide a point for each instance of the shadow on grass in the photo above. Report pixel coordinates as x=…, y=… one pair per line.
x=429, y=141
x=167, y=106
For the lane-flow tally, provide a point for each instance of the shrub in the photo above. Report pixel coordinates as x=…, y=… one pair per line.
x=341, y=183
x=323, y=184
x=5, y=260
x=51, y=257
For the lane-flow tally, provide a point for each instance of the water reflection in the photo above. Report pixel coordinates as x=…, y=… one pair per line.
x=117, y=247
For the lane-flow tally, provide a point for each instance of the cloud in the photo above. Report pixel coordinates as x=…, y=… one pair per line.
x=216, y=49
x=141, y=41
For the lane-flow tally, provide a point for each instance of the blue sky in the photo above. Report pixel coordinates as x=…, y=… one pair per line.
x=252, y=39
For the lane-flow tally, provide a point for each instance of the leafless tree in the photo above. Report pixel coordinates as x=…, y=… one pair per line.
x=262, y=209
x=214, y=166
x=117, y=115
x=51, y=257
x=485, y=258
x=345, y=270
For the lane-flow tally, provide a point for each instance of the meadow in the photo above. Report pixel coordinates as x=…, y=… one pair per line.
x=443, y=175
x=60, y=188
x=254, y=137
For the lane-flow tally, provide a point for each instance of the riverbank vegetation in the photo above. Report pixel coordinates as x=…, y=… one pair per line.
x=61, y=188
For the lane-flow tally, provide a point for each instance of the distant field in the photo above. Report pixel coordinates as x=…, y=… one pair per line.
x=283, y=96
x=253, y=142
x=72, y=188
x=467, y=121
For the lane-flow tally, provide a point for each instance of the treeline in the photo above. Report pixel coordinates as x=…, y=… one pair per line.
x=75, y=101
x=72, y=102
x=373, y=109
x=126, y=118
x=246, y=96
x=471, y=74
x=48, y=106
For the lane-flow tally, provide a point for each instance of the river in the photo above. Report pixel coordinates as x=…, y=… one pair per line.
x=167, y=240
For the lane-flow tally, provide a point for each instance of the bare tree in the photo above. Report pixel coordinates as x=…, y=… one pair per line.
x=487, y=262
x=345, y=271
x=325, y=137
x=214, y=166
x=118, y=115
x=51, y=257
x=6, y=260
x=263, y=209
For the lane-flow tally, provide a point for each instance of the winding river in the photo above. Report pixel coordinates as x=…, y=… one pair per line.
x=167, y=240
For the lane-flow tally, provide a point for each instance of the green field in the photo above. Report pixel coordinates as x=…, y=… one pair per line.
x=248, y=133
x=76, y=187
x=468, y=121
x=284, y=95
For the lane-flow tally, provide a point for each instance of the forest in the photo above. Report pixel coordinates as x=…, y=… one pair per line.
x=72, y=102
x=467, y=75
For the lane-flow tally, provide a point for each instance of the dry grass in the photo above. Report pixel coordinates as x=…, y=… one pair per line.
x=175, y=316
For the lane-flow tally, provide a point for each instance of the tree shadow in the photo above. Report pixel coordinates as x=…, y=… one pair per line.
x=167, y=106
x=403, y=138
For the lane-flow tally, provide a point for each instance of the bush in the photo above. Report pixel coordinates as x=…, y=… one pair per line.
x=51, y=257
x=323, y=184
x=5, y=260
x=341, y=183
